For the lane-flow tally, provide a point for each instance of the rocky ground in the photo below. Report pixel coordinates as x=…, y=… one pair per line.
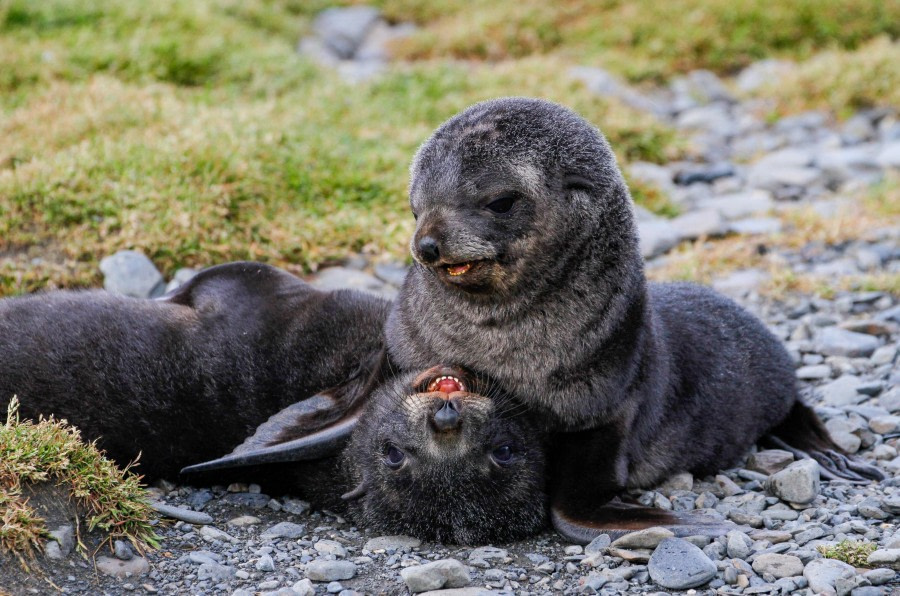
x=748, y=174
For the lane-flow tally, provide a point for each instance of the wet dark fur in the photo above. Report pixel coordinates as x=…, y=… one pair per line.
x=653, y=378
x=182, y=379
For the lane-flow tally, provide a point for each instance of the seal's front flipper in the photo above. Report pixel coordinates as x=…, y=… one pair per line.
x=272, y=444
x=617, y=519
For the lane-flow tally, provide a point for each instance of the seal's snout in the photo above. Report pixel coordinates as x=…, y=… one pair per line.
x=447, y=417
x=429, y=251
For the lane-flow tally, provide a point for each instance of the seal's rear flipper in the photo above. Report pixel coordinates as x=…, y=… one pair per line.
x=617, y=519
x=804, y=435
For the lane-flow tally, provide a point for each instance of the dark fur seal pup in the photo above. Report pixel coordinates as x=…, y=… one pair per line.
x=190, y=376
x=440, y=455
x=527, y=270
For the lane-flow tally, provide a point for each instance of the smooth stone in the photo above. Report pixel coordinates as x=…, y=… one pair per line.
x=880, y=576
x=841, y=392
x=753, y=226
x=683, y=481
x=884, y=424
x=889, y=156
x=330, y=547
x=265, y=563
x=304, y=587
x=740, y=204
x=243, y=521
x=656, y=237
x=323, y=570
x=740, y=283
x=649, y=538
x=778, y=565
x=62, y=543
x=679, y=565
x=186, y=515
x=122, y=550
x=884, y=355
x=211, y=534
x=284, y=530
x=814, y=372
x=392, y=543
x=737, y=545
x=181, y=277
x=885, y=558
x=823, y=573
x=834, y=341
x=700, y=223
x=215, y=572
x=121, y=569
x=336, y=278
x=199, y=557
x=344, y=29
x=890, y=400
x=131, y=273
x=391, y=273
x=769, y=461
x=598, y=544
x=797, y=483
x=446, y=573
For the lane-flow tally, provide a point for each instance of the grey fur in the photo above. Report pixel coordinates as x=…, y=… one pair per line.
x=555, y=307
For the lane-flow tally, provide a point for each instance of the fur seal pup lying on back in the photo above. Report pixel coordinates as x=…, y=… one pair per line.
x=440, y=455
x=527, y=270
x=187, y=377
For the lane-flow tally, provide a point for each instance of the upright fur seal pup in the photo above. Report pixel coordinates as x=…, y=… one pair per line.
x=188, y=377
x=527, y=269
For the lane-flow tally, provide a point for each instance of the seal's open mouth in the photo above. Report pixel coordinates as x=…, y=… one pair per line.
x=446, y=384
x=457, y=270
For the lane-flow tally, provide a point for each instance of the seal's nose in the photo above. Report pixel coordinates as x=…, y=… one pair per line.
x=428, y=249
x=447, y=417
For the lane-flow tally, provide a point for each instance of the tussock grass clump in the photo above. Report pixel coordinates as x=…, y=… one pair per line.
x=850, y=552
x=52, y=451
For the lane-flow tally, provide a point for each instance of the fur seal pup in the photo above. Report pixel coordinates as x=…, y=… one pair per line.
x=440, y=455
x=527, y=270
x=187, y=377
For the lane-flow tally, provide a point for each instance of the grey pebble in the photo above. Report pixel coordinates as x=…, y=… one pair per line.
x=446, y=573
x=679, y=565
x=185, y=515
x=323, y=570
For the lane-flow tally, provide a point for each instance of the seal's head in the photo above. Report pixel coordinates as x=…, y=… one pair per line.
x=508, y=190
x=441, y=455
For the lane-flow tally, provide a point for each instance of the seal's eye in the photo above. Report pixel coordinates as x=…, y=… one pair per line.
x=502, y=204
x=393, y=457
x=502, y=455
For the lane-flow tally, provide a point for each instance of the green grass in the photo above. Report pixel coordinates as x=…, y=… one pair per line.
x=52, y=451
x=194, y=132
x=646, y=39
x=850, y=551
